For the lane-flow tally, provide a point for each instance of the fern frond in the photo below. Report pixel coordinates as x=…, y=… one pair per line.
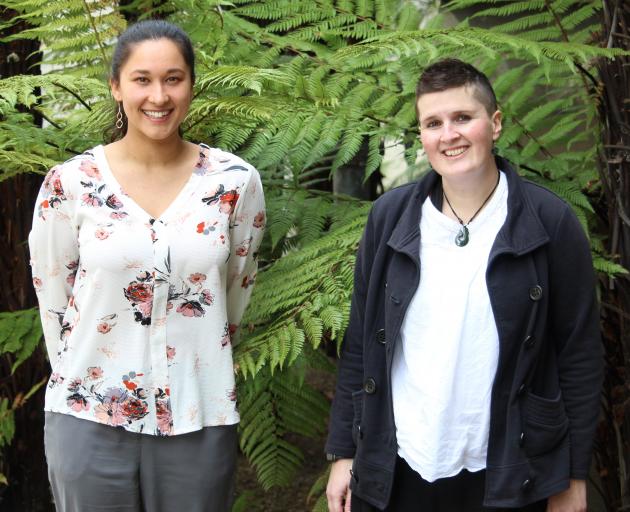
x=246, y=77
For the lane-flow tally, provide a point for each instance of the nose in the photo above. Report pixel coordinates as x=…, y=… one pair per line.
x=158, y=94
x=449, y=132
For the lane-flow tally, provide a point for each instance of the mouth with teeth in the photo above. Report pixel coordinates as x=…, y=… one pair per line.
x=156, y=114
x=455, y=151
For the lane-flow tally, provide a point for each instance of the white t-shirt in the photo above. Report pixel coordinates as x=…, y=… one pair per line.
x=446, y=359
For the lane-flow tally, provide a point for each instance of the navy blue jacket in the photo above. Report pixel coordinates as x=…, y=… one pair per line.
x=545, y=395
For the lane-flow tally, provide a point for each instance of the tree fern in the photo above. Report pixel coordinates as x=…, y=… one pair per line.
x=76, y=35
x=299, y=89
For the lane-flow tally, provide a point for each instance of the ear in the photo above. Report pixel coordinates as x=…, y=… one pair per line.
x=496, y=124
x=114, y=86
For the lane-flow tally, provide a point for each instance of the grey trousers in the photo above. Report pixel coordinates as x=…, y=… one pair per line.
x=94, y=467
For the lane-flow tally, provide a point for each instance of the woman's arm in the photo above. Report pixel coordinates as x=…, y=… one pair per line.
x=574, y=319
x=246, y=233
x=54, y=250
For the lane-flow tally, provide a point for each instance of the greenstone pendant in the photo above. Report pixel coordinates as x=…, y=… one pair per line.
x=462, y=237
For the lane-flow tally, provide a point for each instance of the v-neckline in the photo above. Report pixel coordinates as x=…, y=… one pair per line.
x=108, y=176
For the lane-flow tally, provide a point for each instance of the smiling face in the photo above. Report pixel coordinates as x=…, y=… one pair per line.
x=155, y=88
x=457, y=133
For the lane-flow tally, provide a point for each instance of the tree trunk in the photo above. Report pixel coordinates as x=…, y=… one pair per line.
x=23, y=461
x=612, y=452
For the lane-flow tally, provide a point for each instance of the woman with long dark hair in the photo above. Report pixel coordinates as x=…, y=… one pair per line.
x=144, y=255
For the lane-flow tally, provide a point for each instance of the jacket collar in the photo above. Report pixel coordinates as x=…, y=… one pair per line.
x=522, y=231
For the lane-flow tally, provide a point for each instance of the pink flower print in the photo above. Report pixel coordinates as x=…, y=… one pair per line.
x=103, y=327
x=110, y=411
x=202, y=163
x=139, y=292
x=55, y=380
x=75, y=384
x=101, y=234
x=243, y=248
x=206, y=297
x=92, y=199
x=134, y=409
x=259, y=219
x=228, y=201
x=197, y=278
x=115, y=395
x=94, y=372
x=191, y=308
x=145, y=309
x=140, y=295
x=170, y=353
x=226, y=339
x=113, y=202
x=164, y=417
x=118, y=215
x=90, y=169
x=37, y=282
x=110, y=414
x=72, y=267
x=231, y=395
x=53, y=185
x=66, y=329
x=77, y=402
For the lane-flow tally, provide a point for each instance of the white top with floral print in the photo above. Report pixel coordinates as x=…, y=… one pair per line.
x=138, y=312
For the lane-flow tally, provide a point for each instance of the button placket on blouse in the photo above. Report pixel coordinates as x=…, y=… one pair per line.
x=157, y=333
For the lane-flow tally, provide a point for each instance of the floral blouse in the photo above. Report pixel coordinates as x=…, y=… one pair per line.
x=139, y=312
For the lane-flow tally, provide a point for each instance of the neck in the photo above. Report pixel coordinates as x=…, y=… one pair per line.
x=467, y=194
x=151, y=154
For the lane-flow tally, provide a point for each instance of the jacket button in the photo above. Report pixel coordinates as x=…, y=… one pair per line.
x=370, y=386
x=520, y=390
x=521, y=439
x=527, y=484
x=535, y=292
x=380, y=336
x=529, y=341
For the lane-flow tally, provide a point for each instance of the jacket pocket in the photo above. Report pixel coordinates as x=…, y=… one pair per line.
x=357, y=407
x=545, y=424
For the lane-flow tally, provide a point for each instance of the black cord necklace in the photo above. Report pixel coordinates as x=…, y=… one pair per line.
x=463, y=235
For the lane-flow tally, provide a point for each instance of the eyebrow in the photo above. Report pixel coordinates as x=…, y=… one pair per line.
x=147, y=72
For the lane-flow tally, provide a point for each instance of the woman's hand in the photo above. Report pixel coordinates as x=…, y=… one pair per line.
x=571, y=500
x=338, y=488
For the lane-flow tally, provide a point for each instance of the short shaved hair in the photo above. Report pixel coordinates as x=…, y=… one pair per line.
x=452, y=73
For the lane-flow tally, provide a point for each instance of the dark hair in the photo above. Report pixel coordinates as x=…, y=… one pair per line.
x=144, y=31
x=451, y=73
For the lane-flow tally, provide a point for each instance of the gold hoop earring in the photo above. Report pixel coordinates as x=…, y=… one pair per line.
x=119, y=118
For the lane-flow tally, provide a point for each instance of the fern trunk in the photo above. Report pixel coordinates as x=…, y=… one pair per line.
x=22, y=462
x=613, y=441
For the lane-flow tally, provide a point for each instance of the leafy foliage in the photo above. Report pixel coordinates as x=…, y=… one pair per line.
x=298, y=88
x=20, y=334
